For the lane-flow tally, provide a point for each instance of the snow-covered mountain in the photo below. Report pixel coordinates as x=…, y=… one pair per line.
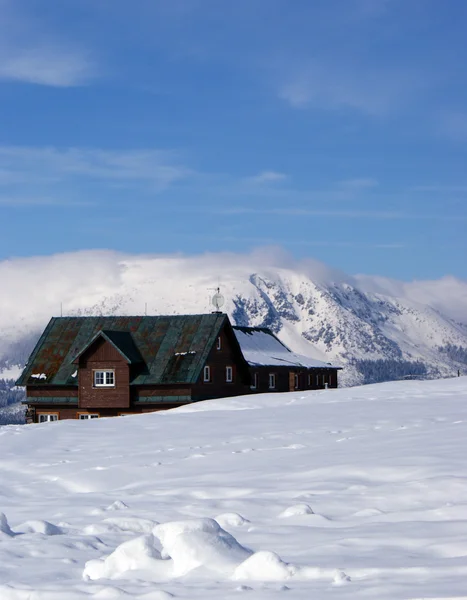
x=376, y=328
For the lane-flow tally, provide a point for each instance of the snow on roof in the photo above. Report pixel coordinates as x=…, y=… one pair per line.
x=261, y=347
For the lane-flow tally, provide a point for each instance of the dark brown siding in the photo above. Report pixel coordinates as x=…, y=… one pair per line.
x=228, y=355
x=52, y=392
x=285, y=379
x=73, y=413
x=102, y=355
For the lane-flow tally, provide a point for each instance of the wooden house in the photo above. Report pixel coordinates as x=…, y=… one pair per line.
x=275, y=368
x=90, y=367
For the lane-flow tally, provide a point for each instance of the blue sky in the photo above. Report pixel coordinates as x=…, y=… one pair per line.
x=334, y=128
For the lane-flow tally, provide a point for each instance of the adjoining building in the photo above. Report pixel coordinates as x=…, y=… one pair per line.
x=274, y=367
x=91, y=367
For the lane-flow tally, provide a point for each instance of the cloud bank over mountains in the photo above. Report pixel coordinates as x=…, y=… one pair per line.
x=315, y=309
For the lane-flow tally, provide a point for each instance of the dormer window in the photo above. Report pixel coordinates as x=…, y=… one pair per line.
x=104, y=378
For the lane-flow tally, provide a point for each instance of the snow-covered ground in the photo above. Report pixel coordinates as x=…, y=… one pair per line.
x=350, y=493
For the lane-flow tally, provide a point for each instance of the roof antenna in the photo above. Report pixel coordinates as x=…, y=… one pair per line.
x=218, y=300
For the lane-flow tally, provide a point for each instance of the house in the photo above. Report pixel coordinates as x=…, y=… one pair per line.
x=90, y=367
x=275, y=368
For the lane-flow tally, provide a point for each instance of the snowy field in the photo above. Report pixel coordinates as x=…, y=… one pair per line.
x=351, y=493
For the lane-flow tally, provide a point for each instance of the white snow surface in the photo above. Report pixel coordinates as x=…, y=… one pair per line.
x=260, y=348
x=353, y=493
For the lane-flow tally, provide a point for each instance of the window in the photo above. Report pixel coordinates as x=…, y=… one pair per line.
x=219, y=343
x=272, y=381
x=207, y=374
x=104, y=378
x=88, y=416
x=229, y=374
x=45, y=418
x=309, y=381
x=296, y=381
x=254, y=382
x=317, y=380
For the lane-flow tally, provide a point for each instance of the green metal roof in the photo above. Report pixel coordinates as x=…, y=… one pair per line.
x=168, y=349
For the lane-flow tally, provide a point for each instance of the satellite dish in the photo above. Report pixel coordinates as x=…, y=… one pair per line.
x=218, y=300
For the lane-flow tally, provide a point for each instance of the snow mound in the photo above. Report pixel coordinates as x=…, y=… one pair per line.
x=4, y=527
x=137, y=554
x=264, y=566
x=268, y=566
x=231, y=520
x=117, y=524
x=296, y=510
x=200, y=543
x=202, y=546
x=43, y=527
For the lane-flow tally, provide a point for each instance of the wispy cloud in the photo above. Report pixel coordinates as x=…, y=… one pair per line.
x=267, y=177
x=54, y=66
x=154, y=168
x=41, y=201
x=340, y=214
x=32, y=52
x=329, y=86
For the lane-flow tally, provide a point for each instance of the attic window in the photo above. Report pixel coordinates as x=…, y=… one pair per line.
x=104, y=378
x=219, y=343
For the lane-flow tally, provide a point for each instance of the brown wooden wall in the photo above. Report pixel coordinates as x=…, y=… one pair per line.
x=228, y=355
x=50, y=391
x=285, y=379
x=102, y=355
x=66, y=412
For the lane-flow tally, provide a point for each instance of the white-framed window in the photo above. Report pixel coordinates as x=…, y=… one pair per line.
x=296, y=381
x=317, y=380
x=254, y=381
x=104, y=378
x=207, y=374
x=309, y=381
x=229, y=374
x=272, y=381
x=88, y=416
x=219, y=343
x=46, y=417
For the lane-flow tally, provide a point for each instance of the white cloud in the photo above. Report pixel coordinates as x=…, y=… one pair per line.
x=31, y=51
x=268, y=177
x=376, y=92
x=157, y=169
x=56, y=67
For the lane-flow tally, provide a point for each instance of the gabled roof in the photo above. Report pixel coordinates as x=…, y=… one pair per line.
x=169, y=349
x=261, y=347
x=120, y=340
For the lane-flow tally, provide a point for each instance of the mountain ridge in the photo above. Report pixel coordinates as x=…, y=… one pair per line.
x=315, y=310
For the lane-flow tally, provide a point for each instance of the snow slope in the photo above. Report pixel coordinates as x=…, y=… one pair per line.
x=353, y=493
x=316, y=311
